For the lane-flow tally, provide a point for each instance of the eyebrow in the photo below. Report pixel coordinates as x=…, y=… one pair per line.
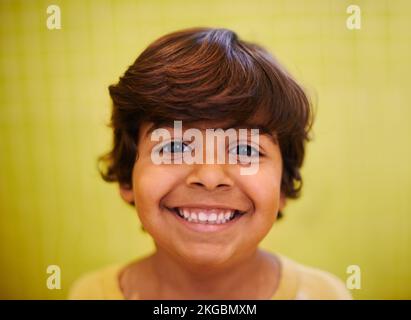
x=261, y=131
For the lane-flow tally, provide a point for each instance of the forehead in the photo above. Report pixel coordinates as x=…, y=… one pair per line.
x=249, y=116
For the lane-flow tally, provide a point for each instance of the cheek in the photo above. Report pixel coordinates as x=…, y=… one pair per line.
x=151, y=183
x=264, y=188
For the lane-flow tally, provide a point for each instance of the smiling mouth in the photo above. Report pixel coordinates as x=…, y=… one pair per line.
x=207, y=216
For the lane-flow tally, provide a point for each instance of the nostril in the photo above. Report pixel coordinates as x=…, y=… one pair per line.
x=208, y=177
x=221, y=186
x=198, y=184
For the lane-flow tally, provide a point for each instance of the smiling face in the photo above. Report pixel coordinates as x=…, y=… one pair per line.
x=206, y=214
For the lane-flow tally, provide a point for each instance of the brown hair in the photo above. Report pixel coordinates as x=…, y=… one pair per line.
x=208, y=74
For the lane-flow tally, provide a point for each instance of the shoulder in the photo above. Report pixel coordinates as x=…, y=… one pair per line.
x=319, y=284
x=316, y=284
x=97, y=285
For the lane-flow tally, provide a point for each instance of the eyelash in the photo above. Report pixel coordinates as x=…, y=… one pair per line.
x=185, y=144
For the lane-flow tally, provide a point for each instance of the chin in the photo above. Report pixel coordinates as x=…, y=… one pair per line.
x=210, y=255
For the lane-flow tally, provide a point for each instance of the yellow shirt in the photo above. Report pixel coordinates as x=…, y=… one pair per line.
x=297, y=282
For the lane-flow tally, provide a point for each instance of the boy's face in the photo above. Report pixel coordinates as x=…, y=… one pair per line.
x=207, y=190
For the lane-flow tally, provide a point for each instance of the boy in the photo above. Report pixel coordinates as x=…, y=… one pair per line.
x=207, y=217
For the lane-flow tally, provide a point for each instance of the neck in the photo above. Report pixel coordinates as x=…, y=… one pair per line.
x=234, y=280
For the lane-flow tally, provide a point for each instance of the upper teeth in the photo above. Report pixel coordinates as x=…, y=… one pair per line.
x=216, y=216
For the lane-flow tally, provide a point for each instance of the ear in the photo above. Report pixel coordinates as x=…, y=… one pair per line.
x=126, y=192
x=283, y=201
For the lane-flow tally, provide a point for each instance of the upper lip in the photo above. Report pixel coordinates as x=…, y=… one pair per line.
x=206, y=206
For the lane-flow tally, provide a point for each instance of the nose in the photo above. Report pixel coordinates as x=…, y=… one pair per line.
x=209, y=177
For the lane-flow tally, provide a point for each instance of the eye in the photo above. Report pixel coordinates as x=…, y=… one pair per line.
x=245, y=150
x=175, y=147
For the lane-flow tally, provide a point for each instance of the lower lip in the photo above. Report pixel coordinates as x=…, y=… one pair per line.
x=205, y=227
